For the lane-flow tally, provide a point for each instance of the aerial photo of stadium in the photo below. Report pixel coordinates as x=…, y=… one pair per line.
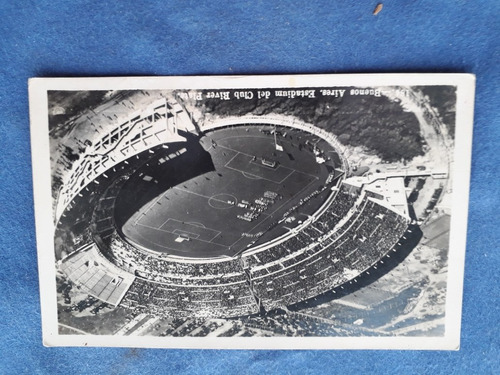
x=276, y=212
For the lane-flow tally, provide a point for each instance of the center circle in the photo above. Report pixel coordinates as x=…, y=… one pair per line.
x=222, y=201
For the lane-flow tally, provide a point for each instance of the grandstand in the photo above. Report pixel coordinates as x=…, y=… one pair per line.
x=158, y=124
x=326, y=260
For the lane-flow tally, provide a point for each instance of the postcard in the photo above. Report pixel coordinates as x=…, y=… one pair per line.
x=252, y=212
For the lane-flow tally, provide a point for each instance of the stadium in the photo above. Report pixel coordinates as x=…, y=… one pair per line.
x=228, y=218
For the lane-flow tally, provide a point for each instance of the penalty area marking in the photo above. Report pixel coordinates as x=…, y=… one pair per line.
x=261, y=177
x=173, y=225
x=148, y=239
x=251, y=156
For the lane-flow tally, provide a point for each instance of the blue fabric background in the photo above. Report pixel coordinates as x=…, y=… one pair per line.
x=100, y=38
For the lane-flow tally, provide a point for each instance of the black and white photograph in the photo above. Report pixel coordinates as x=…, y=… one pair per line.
x=320, y=211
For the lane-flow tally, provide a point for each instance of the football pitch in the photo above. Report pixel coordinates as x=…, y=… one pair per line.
x=225, y=210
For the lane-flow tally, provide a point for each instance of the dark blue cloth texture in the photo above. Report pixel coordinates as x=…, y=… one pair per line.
x=103, y=38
